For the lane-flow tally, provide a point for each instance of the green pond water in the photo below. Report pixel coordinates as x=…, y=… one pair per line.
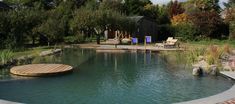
x=111, y=78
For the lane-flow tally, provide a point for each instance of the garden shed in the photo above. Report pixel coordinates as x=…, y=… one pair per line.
x=145, y=27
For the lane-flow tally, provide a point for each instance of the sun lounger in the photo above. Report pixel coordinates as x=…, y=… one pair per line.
x=169, y=43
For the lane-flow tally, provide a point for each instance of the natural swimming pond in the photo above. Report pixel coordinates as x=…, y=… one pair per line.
x=112, y=78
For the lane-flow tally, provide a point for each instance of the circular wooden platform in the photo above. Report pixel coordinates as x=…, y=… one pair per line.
x=36, y=70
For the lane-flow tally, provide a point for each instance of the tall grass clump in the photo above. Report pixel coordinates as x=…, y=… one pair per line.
x=227, y=49
x=5, y=55
x=193, y=54
x=213, y=54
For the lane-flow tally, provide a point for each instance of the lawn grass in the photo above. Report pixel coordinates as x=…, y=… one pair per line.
x=31, y=51
x=190, y=45
x=202, y=43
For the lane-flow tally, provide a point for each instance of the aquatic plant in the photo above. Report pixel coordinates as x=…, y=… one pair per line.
x=5, y=55
x=212, y=55
x=193, y=54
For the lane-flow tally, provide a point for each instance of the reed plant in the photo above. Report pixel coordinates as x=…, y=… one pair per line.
x=5, y=55
x=193, y=54
x=227, y=48
x=212, y=54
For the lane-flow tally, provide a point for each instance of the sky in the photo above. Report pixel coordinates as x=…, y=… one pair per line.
x=166, y=1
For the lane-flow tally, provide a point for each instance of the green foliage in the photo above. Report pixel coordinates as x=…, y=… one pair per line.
x=12, y=28
x=230, y=3
x=206, y=5
x=158, y=13
x=90, y=21
x=151, y=11
x=232, y=29
x=74, y=39
x=163, y=15
x=193, y=54
x=5, y=55
x=186, y=31
x=205, y=16
x=230, y=18
x=56, y=26
x=135, y=7
x=115, y=5
x=164, y=31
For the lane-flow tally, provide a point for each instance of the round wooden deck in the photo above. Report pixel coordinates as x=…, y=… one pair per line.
x=36, y=70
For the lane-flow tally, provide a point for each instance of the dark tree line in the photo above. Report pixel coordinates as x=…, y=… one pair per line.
x=54, y=21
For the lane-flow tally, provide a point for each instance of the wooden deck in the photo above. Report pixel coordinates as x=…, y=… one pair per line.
x=112, y=48
x=36, y=70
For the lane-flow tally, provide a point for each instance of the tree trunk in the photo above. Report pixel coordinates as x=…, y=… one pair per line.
x=33, y=42
x=98, y=38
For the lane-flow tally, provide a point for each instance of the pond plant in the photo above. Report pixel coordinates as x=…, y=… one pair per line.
x=5, y=55
x=206, y=57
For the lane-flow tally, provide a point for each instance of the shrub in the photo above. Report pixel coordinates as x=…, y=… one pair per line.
x=232, y=29
x=74, y=39
x=185, y=30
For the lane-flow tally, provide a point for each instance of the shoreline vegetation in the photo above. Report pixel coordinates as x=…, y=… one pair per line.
x=212, y=52
x=205, y=58
x=19, y=57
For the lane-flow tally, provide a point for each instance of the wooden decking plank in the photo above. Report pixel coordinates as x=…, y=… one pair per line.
x=51, y=68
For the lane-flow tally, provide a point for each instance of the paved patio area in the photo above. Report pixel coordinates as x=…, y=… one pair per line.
x=136, y=47
x=231, y=101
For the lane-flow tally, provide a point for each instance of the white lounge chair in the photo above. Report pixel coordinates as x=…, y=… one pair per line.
x=169, y=43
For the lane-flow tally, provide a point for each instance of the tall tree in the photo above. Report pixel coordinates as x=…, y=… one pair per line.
x=14, y=27
x=115, y=5
x=151, y=11
x=207, y=5
x=208, y=23
x=157, y=13
x=205, y=16
x=135, y=7
x=175, y=8
x=230, y=17
x=33, y=18
x=56, y=26
x=230, y=3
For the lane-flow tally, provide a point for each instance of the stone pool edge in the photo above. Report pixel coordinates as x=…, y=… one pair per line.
x=215, y=99
x=8, y=102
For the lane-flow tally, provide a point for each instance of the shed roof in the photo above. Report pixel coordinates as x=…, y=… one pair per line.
x=136, y=18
